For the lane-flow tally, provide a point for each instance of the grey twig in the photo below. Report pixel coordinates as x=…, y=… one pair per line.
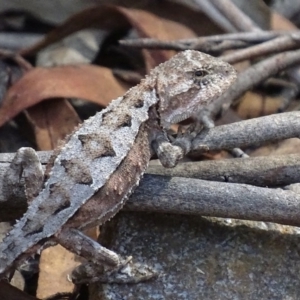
x=207, y=198
x=235, y=16
x=241, y=23
x=212, y=12
x=180, y=45
x=18, y=41
x=22, y=62
x=271, y=171
x=281, y=43
x=247, y=133
x=217, y=199
x=209, y=43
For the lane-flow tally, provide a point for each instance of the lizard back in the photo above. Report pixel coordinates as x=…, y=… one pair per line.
x=80, y=169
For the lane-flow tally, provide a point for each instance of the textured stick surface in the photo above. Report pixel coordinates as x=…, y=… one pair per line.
x=206, y=43
x=260, y=171
x=252, y=132
x=217, y=199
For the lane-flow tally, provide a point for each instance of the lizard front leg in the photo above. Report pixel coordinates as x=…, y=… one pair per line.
x=168, y=154
x=170, y=150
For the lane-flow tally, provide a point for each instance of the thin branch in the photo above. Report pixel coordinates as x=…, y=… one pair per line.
x=206, y=198
x=212, y=12
x=253, y=132
x=268, y=171
x=22, y=62
x=241, y=22
x=282, y=43
x=17, y=41
x=217, y=199
x=211, y=198
x=180, y=45
x=212, y=43
x=235, y=16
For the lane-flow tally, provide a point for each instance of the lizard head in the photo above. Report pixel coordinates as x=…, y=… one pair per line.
x=188, y=82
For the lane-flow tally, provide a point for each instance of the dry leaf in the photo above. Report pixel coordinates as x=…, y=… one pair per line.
x=57, y=264
x=52, y=121
x=96, y=84
x=255, y=105
x=289, y=146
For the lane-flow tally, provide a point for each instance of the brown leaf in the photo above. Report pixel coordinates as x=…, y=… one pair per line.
x=52, y=121
x=56, y=264
x=255, y=105
x=148, y=25
x=279, y=22
x=289, y=146
x=96, y=84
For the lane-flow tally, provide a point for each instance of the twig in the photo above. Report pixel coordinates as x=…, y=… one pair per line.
x=268, y=171
x=212, y=12
x=18, y=41
x=23, y=63
x=235, y=16
x=282, y=43
x=208, y=43
x=207, y=198
x=247, y=133
x=205, y=46
x=242, y=24
x=217, y=199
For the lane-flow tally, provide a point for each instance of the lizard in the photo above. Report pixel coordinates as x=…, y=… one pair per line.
x=102, y=161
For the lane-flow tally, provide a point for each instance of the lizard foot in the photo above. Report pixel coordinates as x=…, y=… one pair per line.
x=125, y=272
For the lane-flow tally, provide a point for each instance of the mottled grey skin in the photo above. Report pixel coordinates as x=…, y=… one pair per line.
x=108, y=154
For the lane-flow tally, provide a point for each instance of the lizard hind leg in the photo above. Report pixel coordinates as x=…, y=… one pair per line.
x=103, y=265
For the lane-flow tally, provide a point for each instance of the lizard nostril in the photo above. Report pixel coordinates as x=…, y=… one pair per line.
x=205, y=82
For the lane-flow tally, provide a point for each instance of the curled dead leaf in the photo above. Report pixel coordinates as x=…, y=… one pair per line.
x=96, y=84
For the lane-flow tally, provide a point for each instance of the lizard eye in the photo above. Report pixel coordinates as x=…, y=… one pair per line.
x=200, y=73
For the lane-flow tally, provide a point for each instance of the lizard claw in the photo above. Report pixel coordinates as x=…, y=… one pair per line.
x=125, y=272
